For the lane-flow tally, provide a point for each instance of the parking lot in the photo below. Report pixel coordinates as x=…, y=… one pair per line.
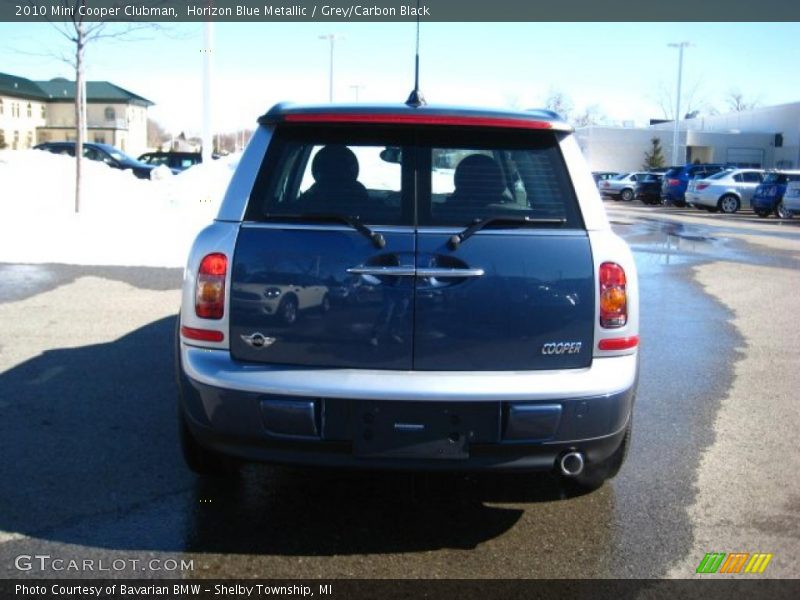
x=91, y=468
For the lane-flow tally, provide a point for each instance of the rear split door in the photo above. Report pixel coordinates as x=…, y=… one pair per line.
x=323, y=271
x=504, y=265
x=431, y=248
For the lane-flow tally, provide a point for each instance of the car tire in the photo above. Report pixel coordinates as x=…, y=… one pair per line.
x=201, y=460
x=782, y=212
x=287, y=311
x=593, y=476
x=728, y=204
x=626, y=195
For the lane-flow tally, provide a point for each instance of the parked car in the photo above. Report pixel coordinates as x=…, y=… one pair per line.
x=768, y=197
x=176, y=161
x=726, y=191
x=113, y=157
x=791, y=199
x=603, y=175
x=499, y=317
x=622, y=186
x=676, y=180
x=648, y=188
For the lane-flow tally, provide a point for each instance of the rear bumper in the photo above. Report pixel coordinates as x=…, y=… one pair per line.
x=498, y=421
x=761, y=203
x=673, y=195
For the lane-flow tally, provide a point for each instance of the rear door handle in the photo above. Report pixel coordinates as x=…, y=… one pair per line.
x=442, y=273
x=383, y=271
x=412, y=272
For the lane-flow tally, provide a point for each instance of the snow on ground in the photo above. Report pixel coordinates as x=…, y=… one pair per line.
x=122, y=220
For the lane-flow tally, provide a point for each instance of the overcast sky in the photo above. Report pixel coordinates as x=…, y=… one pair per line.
x=621, y=68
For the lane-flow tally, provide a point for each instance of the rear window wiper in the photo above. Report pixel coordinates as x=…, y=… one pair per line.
x=518, y=220
x=376, y=238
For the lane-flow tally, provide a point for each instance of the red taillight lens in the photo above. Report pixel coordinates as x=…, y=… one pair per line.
x=613, y=296
x=204, y=335
x=210, y=291
x=625, y=343
x=673, y=182
x=701, y=186
x=606, y=184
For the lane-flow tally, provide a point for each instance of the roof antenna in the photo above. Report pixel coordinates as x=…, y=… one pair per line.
x=416, y=99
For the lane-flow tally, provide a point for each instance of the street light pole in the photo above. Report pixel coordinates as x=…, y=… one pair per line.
x=675, y=134
x=356, y=87
x=331, y=37
x=208, y=131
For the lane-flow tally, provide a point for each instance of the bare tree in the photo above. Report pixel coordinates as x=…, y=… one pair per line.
x=693, y=101
x=591, y=115
x=80, y=33
x=156, y=135
x=737, y=103
x=560, y=103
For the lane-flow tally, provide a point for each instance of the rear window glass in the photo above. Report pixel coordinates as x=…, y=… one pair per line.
x=781, y=178
x=407, y=176
x=719, y=175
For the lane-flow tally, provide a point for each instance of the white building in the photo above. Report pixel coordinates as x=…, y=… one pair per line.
x=32, y=112
x=766, y=137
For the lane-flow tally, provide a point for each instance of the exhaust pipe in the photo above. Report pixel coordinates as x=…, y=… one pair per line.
x=571, y=464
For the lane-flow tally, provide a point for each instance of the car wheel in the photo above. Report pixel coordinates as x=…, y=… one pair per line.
x=728, y=204
x=626, y=195
x=287, y=311
x=782, y=212
x=202, y=460
x=593, y=476
x=763, y=213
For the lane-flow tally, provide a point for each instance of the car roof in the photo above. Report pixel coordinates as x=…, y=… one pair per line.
x=402, y=114
x=170, y=153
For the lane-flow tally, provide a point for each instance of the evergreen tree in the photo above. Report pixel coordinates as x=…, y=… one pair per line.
x=654, y=157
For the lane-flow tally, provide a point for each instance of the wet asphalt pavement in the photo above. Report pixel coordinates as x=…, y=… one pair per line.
x=90, y=466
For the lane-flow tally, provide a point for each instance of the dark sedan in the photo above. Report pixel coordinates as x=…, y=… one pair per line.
x=176, y=161
x=648, y=188
x=113, y=157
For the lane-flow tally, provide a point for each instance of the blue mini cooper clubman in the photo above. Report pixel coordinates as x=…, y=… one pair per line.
x=410, y=287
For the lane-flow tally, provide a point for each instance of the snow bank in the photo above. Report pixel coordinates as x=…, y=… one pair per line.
x=123, y=220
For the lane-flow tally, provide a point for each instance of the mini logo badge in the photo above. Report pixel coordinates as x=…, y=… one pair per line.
x=258, y=340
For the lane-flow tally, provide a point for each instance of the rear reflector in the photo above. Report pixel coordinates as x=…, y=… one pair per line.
x=210, y=289
x=619, y=343
x=613, y=296
x=203, y=335
x=417, y=119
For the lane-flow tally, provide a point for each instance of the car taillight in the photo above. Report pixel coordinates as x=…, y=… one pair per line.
x=613, y=296
x=606, y=184
x=673, y=182
x=701, y=186
x=210, y=291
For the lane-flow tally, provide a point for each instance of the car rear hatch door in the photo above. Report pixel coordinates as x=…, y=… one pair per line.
x=323, y=271
x=504, y=264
